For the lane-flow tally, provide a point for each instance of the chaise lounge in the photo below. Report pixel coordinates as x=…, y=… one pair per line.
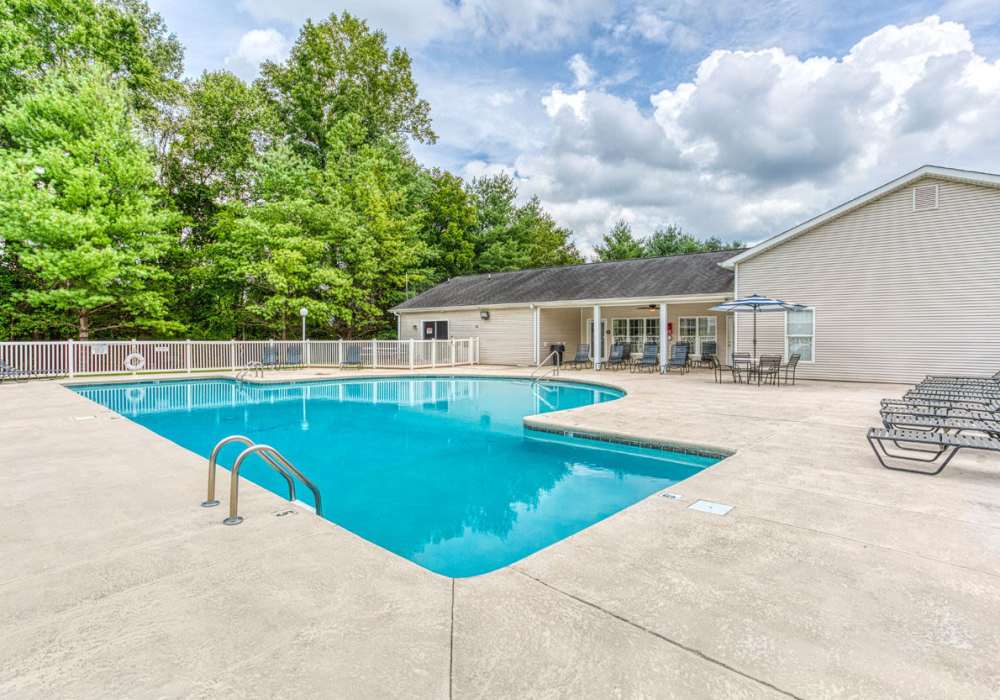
x=944, y=447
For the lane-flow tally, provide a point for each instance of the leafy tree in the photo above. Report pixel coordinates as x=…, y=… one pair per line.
x=210, y=145
x=620, y=244
x=80, y=212
x=37, y=36
x=512, y=237
x=338, y=67
x=340, y=241
x=450, y=225
x=672, y=240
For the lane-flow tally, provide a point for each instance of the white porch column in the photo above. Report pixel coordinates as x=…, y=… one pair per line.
x=535, y=332
x=598, y=337
x=663, y=338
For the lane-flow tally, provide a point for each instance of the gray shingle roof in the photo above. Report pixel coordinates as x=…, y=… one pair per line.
x=697, y=273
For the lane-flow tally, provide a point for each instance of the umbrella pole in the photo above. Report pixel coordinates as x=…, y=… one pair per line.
x=755, y=333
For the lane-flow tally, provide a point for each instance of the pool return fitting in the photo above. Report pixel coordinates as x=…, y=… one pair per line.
x=272, y=458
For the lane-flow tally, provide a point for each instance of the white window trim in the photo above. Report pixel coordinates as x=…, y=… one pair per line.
x=420, y=327
x=628, y=325
x=785, y=330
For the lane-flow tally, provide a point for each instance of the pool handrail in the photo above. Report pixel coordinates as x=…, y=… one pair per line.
x=210, y=501
x=234, y=480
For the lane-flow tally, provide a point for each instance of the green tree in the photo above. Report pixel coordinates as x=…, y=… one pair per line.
x=338, y=67
x=80, y=211
x=672, y=240
x=512, y=237
x=450, y=225
x=210, y=145
x=341, y=241
x=619, y=244
x=37, y=36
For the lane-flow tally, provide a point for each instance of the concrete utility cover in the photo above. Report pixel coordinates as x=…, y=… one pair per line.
x=709, y=507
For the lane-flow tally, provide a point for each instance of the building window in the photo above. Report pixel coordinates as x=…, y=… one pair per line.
x=700, y=333
x=800, y=334
x=435, y=330
x=635, y=332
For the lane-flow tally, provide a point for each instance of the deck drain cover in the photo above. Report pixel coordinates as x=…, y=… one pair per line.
x=674, y=496
x=709, y=507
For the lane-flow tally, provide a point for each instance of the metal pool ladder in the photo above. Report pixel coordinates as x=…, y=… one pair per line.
x=254, y=368
x=272, y=458
x=546, y=370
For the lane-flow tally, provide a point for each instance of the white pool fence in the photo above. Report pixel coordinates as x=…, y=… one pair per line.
x=70, y=358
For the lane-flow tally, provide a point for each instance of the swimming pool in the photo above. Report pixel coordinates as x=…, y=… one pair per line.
x=439, y=470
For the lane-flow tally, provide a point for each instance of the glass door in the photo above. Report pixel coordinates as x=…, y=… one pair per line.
x=697, y=331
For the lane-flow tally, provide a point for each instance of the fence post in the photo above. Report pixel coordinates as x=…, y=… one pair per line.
x=340, y=352
x=308, y=354
x=434, y=348
x=452, y=352
x=374, y=353
x=477, y=350
x=412, y=358
x=232, y=354
x=187, y=354
x=72, y=358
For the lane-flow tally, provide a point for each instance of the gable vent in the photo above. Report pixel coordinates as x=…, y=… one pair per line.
x=925, y=197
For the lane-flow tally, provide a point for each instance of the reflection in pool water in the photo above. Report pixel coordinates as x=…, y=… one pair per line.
x=438, y=470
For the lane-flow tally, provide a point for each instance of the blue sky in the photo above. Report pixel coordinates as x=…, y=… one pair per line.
x=732, y=118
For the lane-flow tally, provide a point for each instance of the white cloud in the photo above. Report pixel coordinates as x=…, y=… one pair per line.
x=760, y=140
x=255, y=47
x=582, y=73
x=526, y=23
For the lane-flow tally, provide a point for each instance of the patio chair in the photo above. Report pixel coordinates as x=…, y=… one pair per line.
x=992, y=401
x=949, y=425
x=708, y=350
x=964, y=379
x=742, y=367
x=769, y=370
x=10, y=372
x=269, y=357
x=950, y=390
x=616, y=358
x=293, y=356
x=793, y=362
x=649, y=360
x=679, y=358
x=934, y=403
x=943, y=448
x=922, y=411
x=581, y=359
x=352, y=356
x=720, y=369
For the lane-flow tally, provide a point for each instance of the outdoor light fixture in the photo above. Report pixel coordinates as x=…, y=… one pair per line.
x=485, y=315
x=303, y=312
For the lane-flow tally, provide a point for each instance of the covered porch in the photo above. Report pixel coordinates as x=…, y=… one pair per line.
x=633, y=322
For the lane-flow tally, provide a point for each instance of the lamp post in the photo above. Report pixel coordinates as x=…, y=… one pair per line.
x=303, y=312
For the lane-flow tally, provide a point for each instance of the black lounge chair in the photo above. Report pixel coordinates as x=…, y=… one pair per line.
x=919, y=411
x=962, y=379
x=616, y=359
x=649, y=360
x=10, y=372
x=293, y=356
x=992, y=401
x=708, y=351
x=581, y=359
x=269, y=358
x=952, y=425
x=943, y=448
x=679, y=358
x=793, y=362
x=352, y=356
x=932, y=403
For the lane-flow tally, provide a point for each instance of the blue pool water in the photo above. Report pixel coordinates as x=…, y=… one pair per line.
x=438, y=470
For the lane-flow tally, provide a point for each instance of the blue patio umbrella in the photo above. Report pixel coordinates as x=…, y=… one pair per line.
x=756, y=304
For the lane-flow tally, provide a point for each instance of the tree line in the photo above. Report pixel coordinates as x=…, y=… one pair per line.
x=135, y=203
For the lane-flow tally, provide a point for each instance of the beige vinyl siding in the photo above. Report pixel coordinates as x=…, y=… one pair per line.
x=559, y=326
x=898, y=293
x=504, y=339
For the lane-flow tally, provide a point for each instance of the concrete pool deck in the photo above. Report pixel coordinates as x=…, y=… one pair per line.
x=831, y=577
